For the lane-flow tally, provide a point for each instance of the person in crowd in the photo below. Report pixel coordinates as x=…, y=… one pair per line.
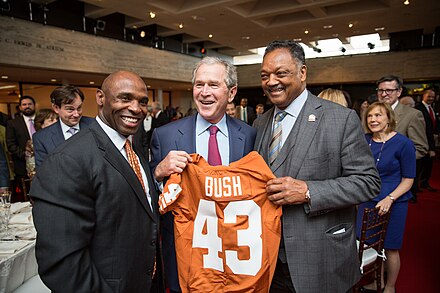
x=142, y=137
x=4, y=171
x=159, y=117
x=95, y=204
x=408, y=101
x=431, y=122
x=45, y=117
x=410, y=121
x=4, y=119
x=18, y=132
x=324, y=168
x=67, y=101
x=334, y=95
x=214, y=85
x=244, y=112
x=396, y=162
x=230, y=109
x=259, y=110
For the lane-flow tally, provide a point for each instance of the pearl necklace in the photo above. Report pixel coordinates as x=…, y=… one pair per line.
x=380, y=152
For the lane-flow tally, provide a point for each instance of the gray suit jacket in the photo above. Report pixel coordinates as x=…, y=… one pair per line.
x=410, y=122
x=96, y=230
x=47, y=139
x=332, y=156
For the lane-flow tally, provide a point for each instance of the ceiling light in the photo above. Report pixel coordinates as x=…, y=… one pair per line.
x=245, y=38
x=3, y=87
x=91, y=82
x=406, y=2
x=181, y=25
x=152, y=14
x=5, y=77
x=297, y=40
x=135, y=27
x=327, y=26
x=371, y=46
x=343, y=50
x=142, y=34
x=350, y=25
x=379, y=29
x=210, y=36
x=53, y=80
x=306, y=32
x=148, y=86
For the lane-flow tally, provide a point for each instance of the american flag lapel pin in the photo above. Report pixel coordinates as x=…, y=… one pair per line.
x=312, y=118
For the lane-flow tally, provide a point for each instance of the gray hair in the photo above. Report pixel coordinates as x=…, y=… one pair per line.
x=231, y=79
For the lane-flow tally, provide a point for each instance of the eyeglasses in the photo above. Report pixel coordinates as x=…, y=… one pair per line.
x=387, y=91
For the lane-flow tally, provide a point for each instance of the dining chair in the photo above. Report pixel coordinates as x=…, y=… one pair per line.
x=371, y=246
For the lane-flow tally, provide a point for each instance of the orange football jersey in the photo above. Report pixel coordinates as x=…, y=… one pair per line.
x=227, y=232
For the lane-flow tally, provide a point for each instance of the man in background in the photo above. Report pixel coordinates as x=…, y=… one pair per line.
x=214, y=85
x=410, y=121
x=408, y=101
x=259, y=110
x=159, y=117
x=95, y=205
x=431, y=122
x=230, y=109
x=324, y=168
x=67, y=102
x=244, y=112
x=18, y=132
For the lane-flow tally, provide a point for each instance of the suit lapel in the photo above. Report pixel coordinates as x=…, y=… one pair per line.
x=57, y=135
x=24, y=128
x=236, y=140
x=264, y=134
x=186, y=139
x=115, y=158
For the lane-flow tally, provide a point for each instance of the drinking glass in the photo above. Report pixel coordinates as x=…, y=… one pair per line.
x=5, y=213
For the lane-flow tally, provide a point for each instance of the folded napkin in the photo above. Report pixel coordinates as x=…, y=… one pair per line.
x=23, y=218
x=18, y=207
x=8, y=247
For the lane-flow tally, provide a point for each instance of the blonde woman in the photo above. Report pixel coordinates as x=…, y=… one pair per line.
x=395, y=157
x=336, y=96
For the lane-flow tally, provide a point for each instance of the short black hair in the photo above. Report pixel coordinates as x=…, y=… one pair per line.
x=390, y=77
x=24, y=98
x=295, y=49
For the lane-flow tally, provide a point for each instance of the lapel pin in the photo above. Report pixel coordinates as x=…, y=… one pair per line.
x=312, y=118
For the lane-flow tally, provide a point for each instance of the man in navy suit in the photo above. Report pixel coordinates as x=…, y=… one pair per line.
x=214, y=85
x=97, y=219
x=67, y=102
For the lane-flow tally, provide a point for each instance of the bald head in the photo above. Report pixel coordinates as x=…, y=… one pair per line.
x=123, y=101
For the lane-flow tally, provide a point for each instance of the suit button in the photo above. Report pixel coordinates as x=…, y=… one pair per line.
x=153, y=243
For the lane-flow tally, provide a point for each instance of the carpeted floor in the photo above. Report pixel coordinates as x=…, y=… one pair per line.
x=420, y=254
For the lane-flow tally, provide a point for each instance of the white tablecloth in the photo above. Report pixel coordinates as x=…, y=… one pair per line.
x=17, y=258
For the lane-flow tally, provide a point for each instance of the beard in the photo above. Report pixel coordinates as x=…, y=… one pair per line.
x=28, y=112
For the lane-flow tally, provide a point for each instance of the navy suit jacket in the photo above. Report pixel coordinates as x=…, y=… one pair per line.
x=181, y=135
x=47, y=139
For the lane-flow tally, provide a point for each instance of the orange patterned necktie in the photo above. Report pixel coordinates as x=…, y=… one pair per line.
x=134, y=162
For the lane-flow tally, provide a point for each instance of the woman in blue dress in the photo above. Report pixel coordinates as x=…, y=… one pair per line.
x=396, y=162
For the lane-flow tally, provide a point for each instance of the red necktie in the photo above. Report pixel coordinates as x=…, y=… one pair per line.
x=214, y=158
x=133, y=161
x=431, y=113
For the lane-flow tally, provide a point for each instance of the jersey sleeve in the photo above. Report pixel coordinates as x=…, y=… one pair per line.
x=170, y=193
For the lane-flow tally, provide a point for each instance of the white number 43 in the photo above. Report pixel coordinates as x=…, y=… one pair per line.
x=250, y=237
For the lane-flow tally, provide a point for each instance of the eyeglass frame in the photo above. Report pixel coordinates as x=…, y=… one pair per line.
x=387, y=91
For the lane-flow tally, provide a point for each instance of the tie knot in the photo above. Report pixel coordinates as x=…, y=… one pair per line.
x=213, y=130
x=280, y=116
x=72, y=130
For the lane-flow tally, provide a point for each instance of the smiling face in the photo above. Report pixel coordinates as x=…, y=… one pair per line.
x=282, y=77
x=27, y=107
x=71, y=113
x=377, y=120
x=210, y=92
x=388, y=92
x=123, y=102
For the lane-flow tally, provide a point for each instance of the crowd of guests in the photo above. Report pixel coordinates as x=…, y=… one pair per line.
x=97, y=218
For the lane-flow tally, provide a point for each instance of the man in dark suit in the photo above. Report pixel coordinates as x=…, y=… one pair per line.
x=214, y=85
x=324, y=167
x=159, y=116
x=18, y=132
x=96, y=217
x=244, y=112
x=67, y=102
x=431, y=122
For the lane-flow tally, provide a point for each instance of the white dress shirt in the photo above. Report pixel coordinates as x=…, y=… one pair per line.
x=65, y=129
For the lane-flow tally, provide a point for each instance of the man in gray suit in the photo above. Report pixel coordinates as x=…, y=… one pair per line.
x=323, y=166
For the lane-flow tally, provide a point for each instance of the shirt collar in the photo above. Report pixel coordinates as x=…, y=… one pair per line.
x=393, y=106
x=117, y=138
x=65, y=128
x=202, y=125
x=295, y=106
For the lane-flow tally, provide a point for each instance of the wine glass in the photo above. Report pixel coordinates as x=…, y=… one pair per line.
x=5, y=213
